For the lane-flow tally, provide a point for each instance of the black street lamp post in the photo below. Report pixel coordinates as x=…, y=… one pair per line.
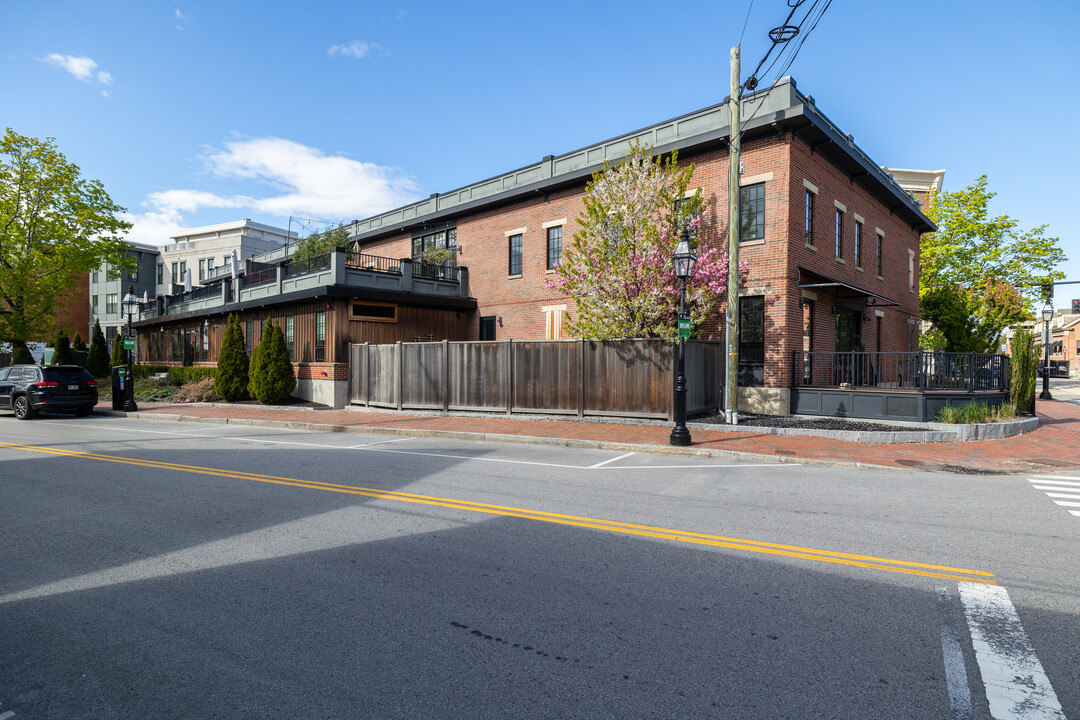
x=130, y=305
x=684, y=260
x=1048, y=315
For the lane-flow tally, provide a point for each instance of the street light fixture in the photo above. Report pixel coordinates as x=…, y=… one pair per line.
x=1048, y=315
x=130, y=305
x=684, y=260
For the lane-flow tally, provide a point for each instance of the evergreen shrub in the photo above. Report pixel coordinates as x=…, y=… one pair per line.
x=232, y=366
x=97, y=359
x=62, y=350
x=272, y=378
x=1024, y=367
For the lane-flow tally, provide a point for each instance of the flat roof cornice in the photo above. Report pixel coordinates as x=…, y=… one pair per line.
x=782, y=106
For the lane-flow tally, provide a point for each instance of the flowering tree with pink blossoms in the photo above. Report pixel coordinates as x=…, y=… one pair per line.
x=618, y=266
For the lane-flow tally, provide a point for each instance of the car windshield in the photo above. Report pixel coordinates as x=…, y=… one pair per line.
x=67, y=374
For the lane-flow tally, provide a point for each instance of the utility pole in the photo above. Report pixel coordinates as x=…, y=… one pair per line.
x=731, y=383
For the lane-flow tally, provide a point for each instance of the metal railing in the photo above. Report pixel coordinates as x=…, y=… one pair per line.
x=436, y=272
x=197, y=293
x=258, y=277
x=921, y=370
x=372, y=262
x=312, y=264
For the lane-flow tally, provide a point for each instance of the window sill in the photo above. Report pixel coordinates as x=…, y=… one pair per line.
x=858, y=269
x=880, y=277
x=751, y=243
x=811, y=247
x=842, y=261
x=549, y=272
x=514, y=277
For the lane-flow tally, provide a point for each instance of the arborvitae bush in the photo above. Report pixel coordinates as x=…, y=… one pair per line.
x=232, y=365
x=62, y=350
x=272, y=378
x=97, y=359
x=1024, y=365
x=119, y=355
x=77, y=343
x=20, y=354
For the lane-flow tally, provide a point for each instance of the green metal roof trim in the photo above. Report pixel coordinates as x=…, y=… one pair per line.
x=782, y=105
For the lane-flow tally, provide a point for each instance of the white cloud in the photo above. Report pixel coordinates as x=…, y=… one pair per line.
x=306, y=182
x=82, y=68
x=180, y=15
x=356, y=49
x=181, y=19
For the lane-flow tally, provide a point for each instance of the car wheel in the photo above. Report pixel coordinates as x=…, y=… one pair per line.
x=83, y=411
x=23, y=411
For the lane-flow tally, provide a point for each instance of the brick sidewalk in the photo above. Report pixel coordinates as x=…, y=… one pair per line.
x=1054, y=446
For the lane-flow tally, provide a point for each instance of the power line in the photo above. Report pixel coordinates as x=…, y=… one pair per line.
x=746, y=21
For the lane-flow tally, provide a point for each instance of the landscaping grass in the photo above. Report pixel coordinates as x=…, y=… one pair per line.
x=975, y=412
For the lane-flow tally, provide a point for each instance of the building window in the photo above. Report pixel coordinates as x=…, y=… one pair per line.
x=183, y=271
x=752, y=212
x=209, y=266
x=94, y=304
x=808, y=340
x=94, y=276
x=839, y=233
x=553, y=317
x=423, y=245
x=175, y=274
x=858, y=244
x=752, y=341
x=289, y=337
x=227, y=261
x=880, y=240
x=160, y=273
x=373, y=311
x=809, y=218
x=554, y=247
x=487, y=328
x=515, y=246
x=911, y=270
x=111, y=304
x=202, y=270
x=320, y=337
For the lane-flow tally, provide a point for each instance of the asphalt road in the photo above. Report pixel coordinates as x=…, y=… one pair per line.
x=160, y=569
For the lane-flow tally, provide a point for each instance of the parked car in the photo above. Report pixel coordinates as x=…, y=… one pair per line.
x=30, y=389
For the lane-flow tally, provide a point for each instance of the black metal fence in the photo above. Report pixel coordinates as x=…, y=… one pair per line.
x=259, y=277
x=311, y=264
x=436, y=272
x=372, y=262
x=196, y=293
x=922, y=370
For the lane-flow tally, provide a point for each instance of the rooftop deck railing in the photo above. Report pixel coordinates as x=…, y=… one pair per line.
x=311, y=264
x=362, y=261
x=902, y=371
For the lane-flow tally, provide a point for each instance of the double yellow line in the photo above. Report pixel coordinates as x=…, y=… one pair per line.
x=792, y=551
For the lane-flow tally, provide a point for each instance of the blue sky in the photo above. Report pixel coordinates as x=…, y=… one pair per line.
x=194, y=113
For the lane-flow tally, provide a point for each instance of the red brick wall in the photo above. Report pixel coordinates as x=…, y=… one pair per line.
x=773, y=272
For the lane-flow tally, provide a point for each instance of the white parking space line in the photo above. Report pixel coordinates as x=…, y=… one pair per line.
x=608, y=462
x=1016, y=684
x=379, y=442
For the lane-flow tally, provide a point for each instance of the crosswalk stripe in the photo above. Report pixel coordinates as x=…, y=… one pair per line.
x=1075, y=512
x=1067, y=496
x=1057, y=477
x=1066, y=503
x=1055, y=483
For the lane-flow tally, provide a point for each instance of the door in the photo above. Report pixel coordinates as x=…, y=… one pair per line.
x=487, y=328
x=5, y=388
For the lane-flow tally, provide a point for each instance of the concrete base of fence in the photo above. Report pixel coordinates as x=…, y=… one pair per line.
x=334, y=393
x=765, y=400
x=919, y=432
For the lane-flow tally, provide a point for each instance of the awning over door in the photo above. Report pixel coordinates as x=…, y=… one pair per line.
x=844, y=291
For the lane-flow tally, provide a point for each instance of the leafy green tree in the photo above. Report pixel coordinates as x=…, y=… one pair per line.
x=97, y=358
x=272, y=378
x=1024, y=366
x=62, y=350
x=317, y=243
x=979, y=274
x=969, y=320
x=232, y=365
x=119, y=355
x=618, y=266
x=77, y=343
x=55, y=226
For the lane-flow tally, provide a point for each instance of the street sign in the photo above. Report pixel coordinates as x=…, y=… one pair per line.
x=129, y=343
x=684, y=326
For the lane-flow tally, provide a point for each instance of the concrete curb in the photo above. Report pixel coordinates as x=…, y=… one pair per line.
x=920, y=432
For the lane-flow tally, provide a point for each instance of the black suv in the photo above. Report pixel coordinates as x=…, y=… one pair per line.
x=30, y=389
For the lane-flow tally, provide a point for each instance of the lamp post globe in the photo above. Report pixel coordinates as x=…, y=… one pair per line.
x=1047, y=315
x=129, y=305
x=683, y=258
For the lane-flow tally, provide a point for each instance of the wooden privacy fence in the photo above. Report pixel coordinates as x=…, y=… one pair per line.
x=620, y=378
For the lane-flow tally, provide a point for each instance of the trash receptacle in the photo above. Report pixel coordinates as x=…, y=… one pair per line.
x=120, y=386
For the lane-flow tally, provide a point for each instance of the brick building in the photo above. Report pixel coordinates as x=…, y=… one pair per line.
x=833, y=246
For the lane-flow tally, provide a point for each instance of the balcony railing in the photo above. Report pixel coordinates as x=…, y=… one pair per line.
x=436, y=272
x=372, y=262
x=302, y=267
x=197, y=293
x=902, y=371
x=259, y=277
